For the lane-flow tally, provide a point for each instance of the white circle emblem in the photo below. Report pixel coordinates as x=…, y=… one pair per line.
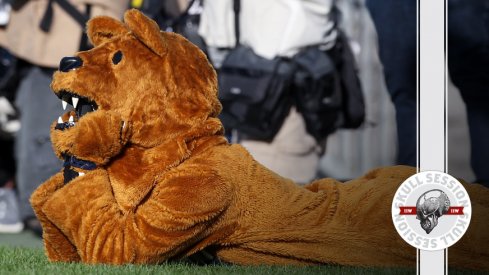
x=431, y=210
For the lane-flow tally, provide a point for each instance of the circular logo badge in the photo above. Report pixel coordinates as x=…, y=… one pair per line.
x=431, y=210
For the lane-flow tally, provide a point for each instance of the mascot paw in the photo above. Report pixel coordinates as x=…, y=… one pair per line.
x=94, y=135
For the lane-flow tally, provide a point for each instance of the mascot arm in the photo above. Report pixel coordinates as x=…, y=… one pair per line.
x=57, y=245
x=96, y=137
x=170, y=221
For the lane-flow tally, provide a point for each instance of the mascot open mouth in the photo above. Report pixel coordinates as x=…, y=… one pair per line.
x=81, y=106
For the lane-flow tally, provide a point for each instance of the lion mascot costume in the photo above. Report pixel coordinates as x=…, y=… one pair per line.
x=149, y=177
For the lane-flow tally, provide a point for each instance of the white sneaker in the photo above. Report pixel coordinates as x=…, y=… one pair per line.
x=9, y=212
x=9, y=119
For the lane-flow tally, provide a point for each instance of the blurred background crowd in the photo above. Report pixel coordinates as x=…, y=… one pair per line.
x=36, y=34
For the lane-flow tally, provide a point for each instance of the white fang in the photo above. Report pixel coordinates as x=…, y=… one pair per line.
x=75, y=101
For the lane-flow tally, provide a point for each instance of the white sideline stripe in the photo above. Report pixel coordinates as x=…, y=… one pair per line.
x=431, y=108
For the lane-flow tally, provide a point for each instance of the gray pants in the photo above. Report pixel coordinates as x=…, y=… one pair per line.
x=36, y=161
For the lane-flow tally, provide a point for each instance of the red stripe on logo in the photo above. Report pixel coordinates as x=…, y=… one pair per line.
x=408, y=210
x=455, y=210
x=411, y=210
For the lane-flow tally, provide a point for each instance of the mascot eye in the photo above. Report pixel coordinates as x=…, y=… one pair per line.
x=117, y=57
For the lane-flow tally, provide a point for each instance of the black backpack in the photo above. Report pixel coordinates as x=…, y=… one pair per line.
x=186, y=23
x=255, y=93
x=324, y=85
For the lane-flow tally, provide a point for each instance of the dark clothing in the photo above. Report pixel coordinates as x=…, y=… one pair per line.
x=468, y=62
x=7, y=163
x=36, y=161
x=395, y=22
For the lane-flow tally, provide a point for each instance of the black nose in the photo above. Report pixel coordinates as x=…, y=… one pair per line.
x=70, y=63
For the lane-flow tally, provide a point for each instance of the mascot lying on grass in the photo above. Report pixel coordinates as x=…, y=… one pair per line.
x=149, y=176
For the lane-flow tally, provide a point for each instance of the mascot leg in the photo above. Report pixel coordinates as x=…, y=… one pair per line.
x=364, y=220
x=57, y=245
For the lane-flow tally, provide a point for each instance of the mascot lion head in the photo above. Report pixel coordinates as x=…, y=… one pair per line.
x=138, y=86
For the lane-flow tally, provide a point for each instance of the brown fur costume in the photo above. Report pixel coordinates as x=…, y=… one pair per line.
x=167, y=184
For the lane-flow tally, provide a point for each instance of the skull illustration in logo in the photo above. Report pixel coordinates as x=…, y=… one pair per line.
x=430, y=206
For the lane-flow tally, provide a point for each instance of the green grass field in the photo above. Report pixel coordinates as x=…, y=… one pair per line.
x=33, y=261
x=28, y=260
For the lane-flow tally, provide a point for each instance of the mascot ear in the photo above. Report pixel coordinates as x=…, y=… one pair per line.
x=103, y=28
x=146, y=30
